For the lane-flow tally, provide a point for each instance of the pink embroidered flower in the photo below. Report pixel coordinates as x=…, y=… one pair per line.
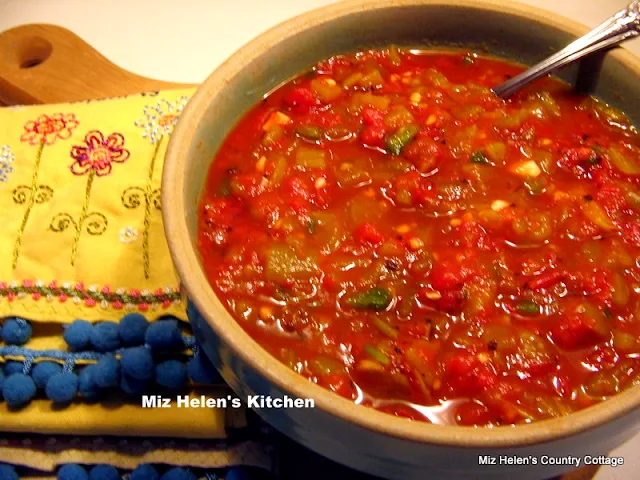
x=53, y=285
x=27, y=283
x=117, y=305
x=106, y=289
x=46, y=129
x=134, y=292
x=143, y=307
x=90, y=302
x=11, y=296
x=166, y=303
x=62, y=298
x=36, y=296
x=3, y=285
x=79, y=286
x=98, y=154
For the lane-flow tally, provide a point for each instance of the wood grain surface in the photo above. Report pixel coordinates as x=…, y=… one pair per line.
x=42, y=63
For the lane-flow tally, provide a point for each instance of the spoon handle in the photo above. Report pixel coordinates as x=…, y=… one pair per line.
x=623, y=25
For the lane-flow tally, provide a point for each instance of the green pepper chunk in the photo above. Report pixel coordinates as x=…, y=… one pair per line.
x=375, y=298
x=527, y=307
x=310, y=132
x=401, y=138
x=479, y=157
x=377, y=354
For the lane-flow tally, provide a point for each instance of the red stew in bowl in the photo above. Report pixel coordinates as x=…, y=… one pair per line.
x=393, y=231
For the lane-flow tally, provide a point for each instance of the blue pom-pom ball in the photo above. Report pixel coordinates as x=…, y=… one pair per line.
x=107, y=372
x=87, y=385
x=105, y=336
x=201, y=370
x=178, y=473
x=133, y=327
x=18, y=390
x=145, y=472
x=164, y=334
x=43, y=371
x=7, y=472
x=104, y=472
x=171, y=374
x=137, y=363
x=12, y=367
x=16, y=331
x=237, y=473
x=62, y=387
x=132, y=386
x=72, y=471
x=78, y=335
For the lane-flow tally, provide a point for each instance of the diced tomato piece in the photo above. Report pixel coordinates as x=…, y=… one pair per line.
x=424, y=153
x=296, y=188
x=367, y=234
x=372, y=116
x=611, y=198
x=339, y=384
x=576, y=330
x=546, y=279
x=467, y=375
x=373, y=136
x=631, y=233
x=448, y=274
x=301, y=99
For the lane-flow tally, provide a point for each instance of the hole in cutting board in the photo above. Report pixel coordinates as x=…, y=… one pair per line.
x=33, y=52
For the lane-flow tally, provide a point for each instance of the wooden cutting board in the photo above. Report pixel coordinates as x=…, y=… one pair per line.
x=42, y=63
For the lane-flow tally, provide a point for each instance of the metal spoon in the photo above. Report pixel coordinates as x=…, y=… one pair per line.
x=620, y=27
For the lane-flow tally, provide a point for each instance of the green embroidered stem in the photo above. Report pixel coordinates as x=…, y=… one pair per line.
x=83, y=216
x=147, y=210
x=32, y=200
x=97, y=295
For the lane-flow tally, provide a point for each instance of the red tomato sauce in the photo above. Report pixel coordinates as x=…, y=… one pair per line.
x=392, y=231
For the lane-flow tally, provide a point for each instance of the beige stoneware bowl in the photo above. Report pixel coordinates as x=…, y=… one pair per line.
x=362, y=438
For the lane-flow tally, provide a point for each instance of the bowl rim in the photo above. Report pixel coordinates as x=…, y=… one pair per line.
x=185, y=255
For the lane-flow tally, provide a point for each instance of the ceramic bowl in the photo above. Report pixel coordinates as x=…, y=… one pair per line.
x=359, y=437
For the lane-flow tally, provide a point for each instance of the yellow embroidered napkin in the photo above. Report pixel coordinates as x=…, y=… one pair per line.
x=82, y=238
x=80, y=209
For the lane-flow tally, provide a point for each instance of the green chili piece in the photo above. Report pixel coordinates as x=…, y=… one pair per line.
x=310, y=132
x=401, y=138
x=377, y=354
x=385, y=328
x=478, y=157
x=375, y=298
x=527, y=307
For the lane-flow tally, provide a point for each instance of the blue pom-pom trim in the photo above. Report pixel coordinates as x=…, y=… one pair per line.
x=62, y=387
x=72, y=471
x=132, y=328
x=8, y=472
x=105, y=336
x=16, y=331
x=145, y=472
x=43, y=371
x=164, y=334
x=18, y=390
x=104, y=472
x=78, y=334
x=171, y=374
x=137, y=362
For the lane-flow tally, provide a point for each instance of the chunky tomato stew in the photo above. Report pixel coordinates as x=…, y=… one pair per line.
x=391, y=230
